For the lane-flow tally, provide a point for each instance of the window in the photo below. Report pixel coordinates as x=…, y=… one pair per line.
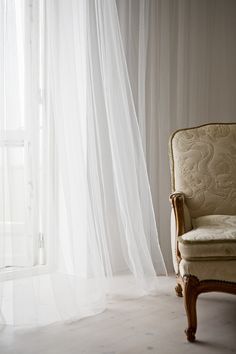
x=22, y=145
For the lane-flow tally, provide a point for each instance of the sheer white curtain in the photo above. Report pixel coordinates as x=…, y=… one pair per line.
x=99, y=147
x=84, y=205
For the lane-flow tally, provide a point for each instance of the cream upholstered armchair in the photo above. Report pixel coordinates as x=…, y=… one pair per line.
x=203, y=175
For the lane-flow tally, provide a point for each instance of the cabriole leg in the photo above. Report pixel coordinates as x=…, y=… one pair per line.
x=190, y=298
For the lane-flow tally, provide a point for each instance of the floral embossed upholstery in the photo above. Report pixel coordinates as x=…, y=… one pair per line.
x=203, y=167
x=206, y=173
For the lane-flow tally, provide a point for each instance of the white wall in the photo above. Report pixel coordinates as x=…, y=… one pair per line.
x=195, y=58
x=190, y=75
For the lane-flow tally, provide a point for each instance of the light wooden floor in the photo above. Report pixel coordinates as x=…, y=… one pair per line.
x=146, y=325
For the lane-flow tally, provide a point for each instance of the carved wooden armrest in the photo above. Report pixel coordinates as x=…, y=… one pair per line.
x=182, y=216
x=182, y=225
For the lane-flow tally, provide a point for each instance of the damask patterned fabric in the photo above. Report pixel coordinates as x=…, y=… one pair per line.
x=213, y=236
x=204, y=168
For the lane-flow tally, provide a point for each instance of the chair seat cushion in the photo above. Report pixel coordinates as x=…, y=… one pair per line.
x=212, y=237
x=219, y=269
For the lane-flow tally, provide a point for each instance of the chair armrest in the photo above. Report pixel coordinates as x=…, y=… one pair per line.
x=180, y=223
x=182, y=216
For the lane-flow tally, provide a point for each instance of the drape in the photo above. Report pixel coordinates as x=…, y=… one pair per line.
x=91, y=214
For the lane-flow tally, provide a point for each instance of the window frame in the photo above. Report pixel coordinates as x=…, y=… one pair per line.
x=35, y=109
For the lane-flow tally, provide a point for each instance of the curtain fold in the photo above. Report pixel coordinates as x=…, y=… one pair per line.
x=117, y=191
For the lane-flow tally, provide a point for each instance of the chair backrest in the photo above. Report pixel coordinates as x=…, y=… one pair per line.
x=203, y=167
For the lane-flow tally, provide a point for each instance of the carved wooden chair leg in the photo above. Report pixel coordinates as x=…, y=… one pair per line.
x=179, y=290
x=190, y=298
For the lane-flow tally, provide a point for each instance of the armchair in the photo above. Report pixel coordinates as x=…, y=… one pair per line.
x=203, y=219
